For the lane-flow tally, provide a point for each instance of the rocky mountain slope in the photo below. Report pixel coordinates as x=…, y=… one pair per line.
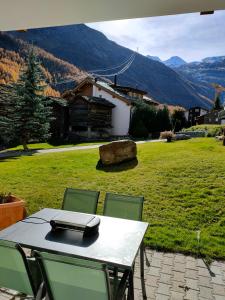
x=210, y=70
x=89, y=49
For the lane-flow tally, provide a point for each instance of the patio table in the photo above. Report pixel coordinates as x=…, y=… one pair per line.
x=116, y=244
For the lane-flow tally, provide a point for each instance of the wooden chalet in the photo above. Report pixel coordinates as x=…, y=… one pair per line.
x=116, y=99
x=59, y=124
x=89, y=117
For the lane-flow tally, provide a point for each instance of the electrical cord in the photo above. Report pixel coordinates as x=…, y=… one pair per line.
x=44, y=220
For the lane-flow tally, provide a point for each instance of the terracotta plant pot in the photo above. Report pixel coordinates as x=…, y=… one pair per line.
x=12, y=211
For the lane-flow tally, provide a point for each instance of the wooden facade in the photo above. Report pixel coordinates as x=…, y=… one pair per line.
x=59, y=125
x=89, y=117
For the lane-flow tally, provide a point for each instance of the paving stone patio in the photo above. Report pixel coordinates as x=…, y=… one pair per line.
x=173, y=277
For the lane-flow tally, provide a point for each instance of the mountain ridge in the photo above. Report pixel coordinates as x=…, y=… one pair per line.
x=14, y=51
x=205, y=73
x=90, y=49
x=174, y=61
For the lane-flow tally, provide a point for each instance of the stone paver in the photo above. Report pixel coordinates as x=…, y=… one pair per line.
x=173, y=277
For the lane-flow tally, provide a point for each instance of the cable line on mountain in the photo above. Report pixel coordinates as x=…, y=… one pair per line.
x=125, y=66
x=114, y=67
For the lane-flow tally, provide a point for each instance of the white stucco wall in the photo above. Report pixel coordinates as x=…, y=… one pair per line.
x=120, y=113
x=203, y=112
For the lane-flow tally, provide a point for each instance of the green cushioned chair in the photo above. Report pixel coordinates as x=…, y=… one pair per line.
x=131, y=208
x=15, y=273
x=71, y=278
x=78, y=200
x=123, y=206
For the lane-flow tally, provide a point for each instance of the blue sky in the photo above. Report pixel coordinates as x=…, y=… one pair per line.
x=189, y=36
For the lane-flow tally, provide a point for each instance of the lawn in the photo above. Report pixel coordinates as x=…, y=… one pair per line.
x=51, y=146
x=183, y=184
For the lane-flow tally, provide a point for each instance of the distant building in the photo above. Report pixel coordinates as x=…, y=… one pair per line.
x=221, y=116
x=112, y=100
x=194, y=113
x=211, y=117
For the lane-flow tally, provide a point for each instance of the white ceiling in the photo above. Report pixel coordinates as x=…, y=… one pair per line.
x=22, y=14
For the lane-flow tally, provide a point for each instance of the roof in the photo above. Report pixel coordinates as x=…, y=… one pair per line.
x=172, y=108
x=193, y=107
x=98, y=101
x=112, y=89
x=210, y=113
x=127, y=89
x=150, y=100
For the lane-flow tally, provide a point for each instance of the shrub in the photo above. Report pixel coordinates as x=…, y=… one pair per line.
x=139, y=130
x=178, y=119
x=210, y=129
x=152, y=119
x=167, y=135
x=163, y=119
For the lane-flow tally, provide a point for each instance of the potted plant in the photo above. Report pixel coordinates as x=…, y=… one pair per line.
x=168, y=135
x=12, y=210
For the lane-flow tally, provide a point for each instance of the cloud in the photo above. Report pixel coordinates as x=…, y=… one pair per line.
x=190, y=36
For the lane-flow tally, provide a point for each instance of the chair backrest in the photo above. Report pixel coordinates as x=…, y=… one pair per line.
x=83, y=201
x=123, y=206
x=71, y=278
x=14, y=271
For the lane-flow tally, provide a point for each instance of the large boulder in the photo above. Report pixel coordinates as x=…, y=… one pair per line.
x=117, y=152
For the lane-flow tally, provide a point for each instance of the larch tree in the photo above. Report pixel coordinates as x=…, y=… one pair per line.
x=32, y=113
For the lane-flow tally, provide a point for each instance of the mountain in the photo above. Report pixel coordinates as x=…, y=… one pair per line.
x=89, y=49
x=209, y=70
x=13, y=53
x=213, y=59
x=174, y=62
x=156, y=58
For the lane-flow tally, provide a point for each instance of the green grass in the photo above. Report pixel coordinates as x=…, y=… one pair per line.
x=50, y=146
x=183, y=184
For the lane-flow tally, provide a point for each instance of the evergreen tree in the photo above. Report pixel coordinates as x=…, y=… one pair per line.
x=6, y=115
x=163, y=119
x=178, y=119
x=145, y=113
x=217, y=104
x=32, y=114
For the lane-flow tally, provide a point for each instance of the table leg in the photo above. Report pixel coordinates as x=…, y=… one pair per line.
x=142, y=271
x=131, y=286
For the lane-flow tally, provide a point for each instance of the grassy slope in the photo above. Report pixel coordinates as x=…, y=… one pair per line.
x=183, y=184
